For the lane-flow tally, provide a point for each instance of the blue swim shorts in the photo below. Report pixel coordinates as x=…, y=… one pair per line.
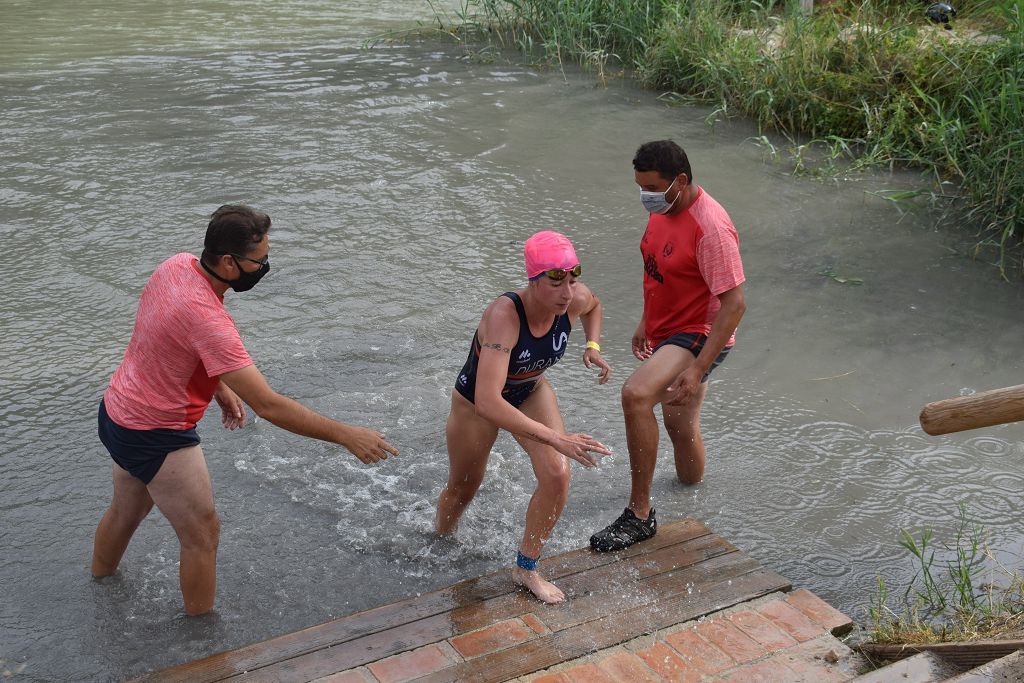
x=141, y=452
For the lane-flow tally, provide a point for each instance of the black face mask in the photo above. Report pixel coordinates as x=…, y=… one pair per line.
x=245, y=280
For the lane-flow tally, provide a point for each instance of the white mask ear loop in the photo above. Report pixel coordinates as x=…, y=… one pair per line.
x=673, y=202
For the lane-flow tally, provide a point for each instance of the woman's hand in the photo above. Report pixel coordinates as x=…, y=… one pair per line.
x=580, y=447
x=592, y=357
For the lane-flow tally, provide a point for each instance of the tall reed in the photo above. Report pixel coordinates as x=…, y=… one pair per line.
x=959, y=592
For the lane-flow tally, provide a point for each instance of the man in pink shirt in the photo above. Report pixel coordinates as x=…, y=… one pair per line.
x=184, y=352
x=693, y=302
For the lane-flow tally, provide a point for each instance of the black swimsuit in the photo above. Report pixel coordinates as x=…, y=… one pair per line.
x=529, y=358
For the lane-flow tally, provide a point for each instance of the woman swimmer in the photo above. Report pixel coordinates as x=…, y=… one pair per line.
x=502, y=386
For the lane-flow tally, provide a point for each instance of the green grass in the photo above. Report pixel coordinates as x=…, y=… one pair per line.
x=870, y=81
x=959, y=592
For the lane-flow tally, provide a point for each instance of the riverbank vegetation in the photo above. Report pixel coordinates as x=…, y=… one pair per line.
x=869, y=82
x=963, y=595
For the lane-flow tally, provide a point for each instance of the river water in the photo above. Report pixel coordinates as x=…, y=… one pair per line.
x=402, y=181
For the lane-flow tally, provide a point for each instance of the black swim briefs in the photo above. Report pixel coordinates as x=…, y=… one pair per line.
x=694, y=343
x=141, y=452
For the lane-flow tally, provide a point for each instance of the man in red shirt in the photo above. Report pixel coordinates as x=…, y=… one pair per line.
x=184, y=352
x=693, y=302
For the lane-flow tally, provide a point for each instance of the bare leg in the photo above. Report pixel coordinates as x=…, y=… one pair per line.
x=552, y=471
x=470, y=439
x=644, y=389
x=182, y=491
x=683, y=425
x=129, y=506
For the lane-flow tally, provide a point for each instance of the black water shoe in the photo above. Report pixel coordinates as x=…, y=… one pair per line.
x=624, y=532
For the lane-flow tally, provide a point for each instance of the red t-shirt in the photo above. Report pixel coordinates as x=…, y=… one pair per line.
x=689, y=259
x=183, y=341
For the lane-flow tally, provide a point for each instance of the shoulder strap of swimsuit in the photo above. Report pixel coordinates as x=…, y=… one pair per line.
x=520, y=309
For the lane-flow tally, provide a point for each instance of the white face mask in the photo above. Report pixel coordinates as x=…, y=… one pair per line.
x=655, y=202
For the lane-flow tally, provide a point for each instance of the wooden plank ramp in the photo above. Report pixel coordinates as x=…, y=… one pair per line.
x=486, y=629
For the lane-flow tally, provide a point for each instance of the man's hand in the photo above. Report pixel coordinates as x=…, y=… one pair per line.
x=593, y=357
x=250, y=384
x=367, y=445
x=641, y=345
x=232, y=408
x=685, y=386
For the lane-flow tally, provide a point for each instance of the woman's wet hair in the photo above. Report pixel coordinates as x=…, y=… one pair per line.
x=234, y=229
x=665, y=157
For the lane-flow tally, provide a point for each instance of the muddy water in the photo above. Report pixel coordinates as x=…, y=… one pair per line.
x=402, y=181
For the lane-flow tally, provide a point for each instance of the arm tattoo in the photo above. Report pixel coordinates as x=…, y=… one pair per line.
x=496, y=347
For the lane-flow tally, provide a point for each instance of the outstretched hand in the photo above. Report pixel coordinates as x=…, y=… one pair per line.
x=592, y=357
x=231, y=407
x=581, y=448
x=367, y=445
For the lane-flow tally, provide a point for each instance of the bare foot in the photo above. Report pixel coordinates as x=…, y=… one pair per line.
x=544, y=590
x=446, y=526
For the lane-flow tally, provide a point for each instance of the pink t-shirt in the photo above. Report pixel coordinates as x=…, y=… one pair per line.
x=689, y=259
x=183, y=341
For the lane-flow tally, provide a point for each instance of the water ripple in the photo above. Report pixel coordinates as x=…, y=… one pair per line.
x=990, y=446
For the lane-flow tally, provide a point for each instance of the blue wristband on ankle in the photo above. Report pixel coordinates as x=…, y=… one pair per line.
x=525, y=562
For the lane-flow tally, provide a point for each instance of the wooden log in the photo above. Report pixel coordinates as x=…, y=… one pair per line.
x=971, y=412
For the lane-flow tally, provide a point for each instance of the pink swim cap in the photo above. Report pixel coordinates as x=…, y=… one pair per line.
x=546, y=250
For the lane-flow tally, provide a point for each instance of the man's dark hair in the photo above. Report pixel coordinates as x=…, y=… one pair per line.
x=234, y=229
x=665, y=157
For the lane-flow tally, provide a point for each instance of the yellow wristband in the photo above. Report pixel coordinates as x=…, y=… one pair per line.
x=594, y=345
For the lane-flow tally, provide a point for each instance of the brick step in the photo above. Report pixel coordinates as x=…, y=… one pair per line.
x=1003, y=670
x=780, y=637
x=924, y=667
